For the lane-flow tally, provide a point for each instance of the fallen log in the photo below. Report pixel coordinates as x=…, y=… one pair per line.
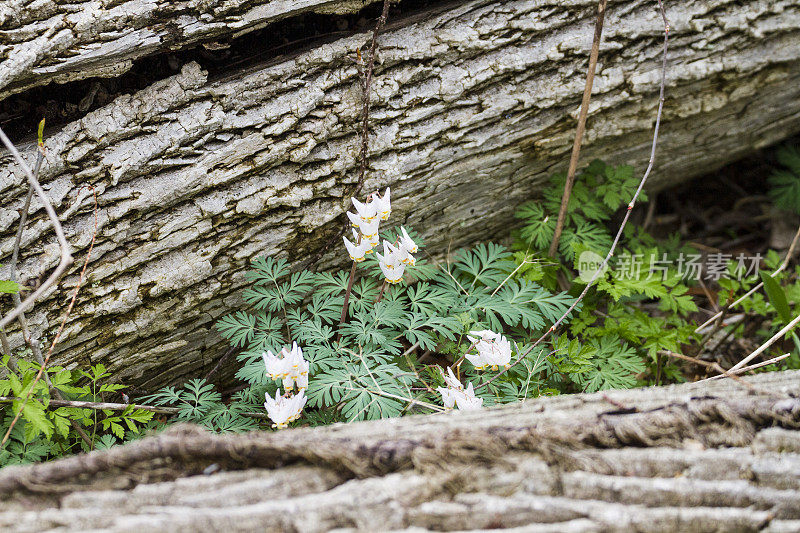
x=474, y=104
x=695, y=457
x=46, y=42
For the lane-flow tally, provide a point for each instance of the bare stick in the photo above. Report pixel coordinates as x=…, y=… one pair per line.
x=576, y=146
x=66, y=250
x=723, y=373
x=749, y=367
x=365, y=82
x=627, y=213
x=109, y=406
x=367, y=85
x=380, y=294
x=23, y=321
x=66, y=315
x=12, y=363
x=346, y=303
x=788, y=327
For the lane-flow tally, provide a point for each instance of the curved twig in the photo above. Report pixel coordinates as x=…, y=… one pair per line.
x=66, y=250
x=603, y=265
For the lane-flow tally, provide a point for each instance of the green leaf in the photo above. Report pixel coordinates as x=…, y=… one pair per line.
x=36, y=416
x=9, y=287
x=40, y=133
x=777, y=297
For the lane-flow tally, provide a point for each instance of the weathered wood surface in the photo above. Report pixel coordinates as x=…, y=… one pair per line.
x=49, y=41
x=474, y=105
x=697, y=457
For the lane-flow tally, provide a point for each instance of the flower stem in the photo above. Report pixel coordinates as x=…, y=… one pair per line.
x=380, y=294
x=347, y=299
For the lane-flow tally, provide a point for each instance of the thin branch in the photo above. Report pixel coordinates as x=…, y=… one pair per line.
x=787, y=328
x=603, y=265
x=66, y=250
x=6, y=347
x=66, y=315
x=365, y=83
x=346, y=303
x=109, y=406
x=23, y=321
x=373, y=48
x=524, y=262
x=576, y=146
x=723, y=373
x=748, y=368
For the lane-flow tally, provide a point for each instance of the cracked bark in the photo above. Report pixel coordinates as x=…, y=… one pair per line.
x=694, y=457
x=473, y=106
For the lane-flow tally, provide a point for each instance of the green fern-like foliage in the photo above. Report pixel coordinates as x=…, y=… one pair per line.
x=643, y=270
x=44, y=432
x=785, y=183
x=368, y=367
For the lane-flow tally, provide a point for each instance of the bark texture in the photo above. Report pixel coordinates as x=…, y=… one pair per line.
x=698, y=457
x=474, y=105
x=49, y=41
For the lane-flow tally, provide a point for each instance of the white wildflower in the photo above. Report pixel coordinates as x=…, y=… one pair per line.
x=284, y=409
x=367, y=211
x=391, y=265
x=369, y=229
x=360, y=249
x=395, y=274
x=406, y=242
x=373, y=241
x=290, y=367
x=383, y=205
x=455, y=394
x=493, y=349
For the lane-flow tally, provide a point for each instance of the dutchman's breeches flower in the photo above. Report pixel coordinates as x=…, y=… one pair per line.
x=493, y=350
x=406, y=242
x=455, y=394
x=284, y=409
x=391, y=265
x=383, y=205
x=359, y=250
x=292, y=368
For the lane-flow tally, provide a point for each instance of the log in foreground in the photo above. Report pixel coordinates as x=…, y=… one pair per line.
x=697, y=457
x=474, y=104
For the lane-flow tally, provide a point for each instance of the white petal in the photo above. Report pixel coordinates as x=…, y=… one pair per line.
x=448, y=397
x=452, y=380
x=477, y=360
x=408, y=244
x=355, y=220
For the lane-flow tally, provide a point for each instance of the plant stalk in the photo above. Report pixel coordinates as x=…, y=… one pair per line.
x=576, y=146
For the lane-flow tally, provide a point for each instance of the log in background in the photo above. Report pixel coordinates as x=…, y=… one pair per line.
x=474, y=105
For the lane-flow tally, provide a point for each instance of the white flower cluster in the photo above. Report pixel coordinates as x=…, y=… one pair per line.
x=455, y=394
x=292, y=368
x=396, y=257
x=284, y=409
x=493, y=350
x=367, y=219
x=288, y=366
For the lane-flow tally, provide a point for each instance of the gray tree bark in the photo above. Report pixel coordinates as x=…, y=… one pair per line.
x=474, y=105
x=699, y=457
x=48, y=41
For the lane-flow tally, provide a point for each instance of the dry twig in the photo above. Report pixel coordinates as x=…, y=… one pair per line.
x=576, y=146
x=66, y=250
x=603, y=265
x=365, y=83
x=66, y=315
